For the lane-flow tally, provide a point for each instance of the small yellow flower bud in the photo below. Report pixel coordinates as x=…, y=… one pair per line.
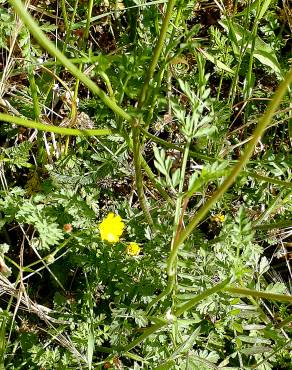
x=133, y=249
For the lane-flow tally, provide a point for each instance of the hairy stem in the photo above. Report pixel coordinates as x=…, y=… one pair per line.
x=50, y=128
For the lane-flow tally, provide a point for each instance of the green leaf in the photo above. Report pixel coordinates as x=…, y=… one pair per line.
x=187, y=344
x=254, y=6
x=206, y=131
x=262, y=51
x=135, y=357
x=167, y=365
x=90, y=348
x=238, y=327
x=255, y=350
x=175, y=177
x=254, y=340
x=264, y=265
x=265, y=5
x=215, y=61
x=278, y=288
x=234, y=312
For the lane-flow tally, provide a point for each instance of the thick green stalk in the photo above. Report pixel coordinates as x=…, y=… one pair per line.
x=50, y=128
x=157, y=51
x=262, y=124
x=50, y=47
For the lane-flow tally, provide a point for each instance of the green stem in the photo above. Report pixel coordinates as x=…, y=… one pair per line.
x=276, y=351
x=64, y=14
x=106, y=80
x=163, y=68
x=66, y=41
x=165, y=292
x=274, y=225
x=269, y=179
x=255, y=293
x=152, y=178
x=138, y=173
x=179, y=199
x=50, y=128
x=51, y=49
x=157, y=51
x=273, y=206
x=262, y=124
x=179, y=210
x=284, y=322
x=88, y=21
x=192, y=302
x=34, y=93
x=80, y=67
x=247, y=91
x=145, y=335
x=147, y=169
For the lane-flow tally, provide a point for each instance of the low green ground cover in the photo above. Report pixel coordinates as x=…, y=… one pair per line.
x=145, y=201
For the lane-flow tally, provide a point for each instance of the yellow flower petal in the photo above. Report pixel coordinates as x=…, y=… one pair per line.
x=111, y=228
x=219, y=218
x=133, y=249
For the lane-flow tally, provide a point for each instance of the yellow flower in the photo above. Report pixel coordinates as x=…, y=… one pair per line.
x=219, y=218
x=133, y=249
x=111, y=228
